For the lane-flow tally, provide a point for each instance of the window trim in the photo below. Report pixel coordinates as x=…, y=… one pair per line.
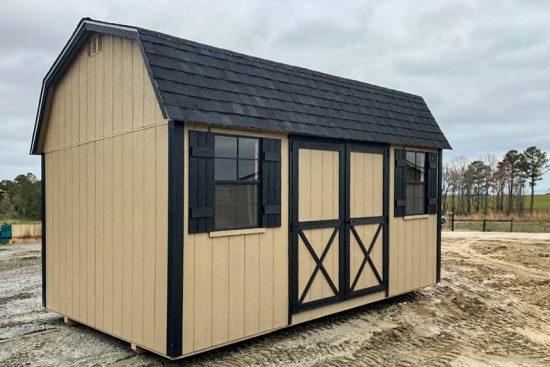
x=423, y=183
x=256, y=182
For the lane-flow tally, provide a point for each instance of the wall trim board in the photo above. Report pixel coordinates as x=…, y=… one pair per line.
x=439, y=191
x=43, y=215
x=174, y=321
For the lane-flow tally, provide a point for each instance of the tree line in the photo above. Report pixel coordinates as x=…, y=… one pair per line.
x=492, y=185
x=21, y=198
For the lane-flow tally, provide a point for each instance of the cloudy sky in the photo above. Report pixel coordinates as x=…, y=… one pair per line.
x=482, y=66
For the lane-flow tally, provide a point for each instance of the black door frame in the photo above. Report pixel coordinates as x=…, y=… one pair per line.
x=342, y=224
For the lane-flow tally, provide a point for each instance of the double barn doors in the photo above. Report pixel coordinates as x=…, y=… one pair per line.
x=339, y=222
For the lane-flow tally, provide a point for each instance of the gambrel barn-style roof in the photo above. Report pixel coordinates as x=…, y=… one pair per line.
x=200, y=83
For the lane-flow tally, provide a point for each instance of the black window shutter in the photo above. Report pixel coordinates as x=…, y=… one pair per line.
x=271, y=183
x=432, y=184
x=201, y=182
x=400, y=184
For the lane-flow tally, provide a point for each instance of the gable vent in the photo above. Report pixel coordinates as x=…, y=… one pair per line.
x=95, y=45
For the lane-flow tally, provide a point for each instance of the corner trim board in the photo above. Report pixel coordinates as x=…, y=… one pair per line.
x=43, y=217
x=174, y=314
x=439, y=191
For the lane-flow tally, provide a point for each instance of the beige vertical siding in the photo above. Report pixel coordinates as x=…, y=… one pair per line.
x=318, y=199
x=366, y=184
x=235, y=285
x=106, y=148
x=318, y=184
x=366, y=200
x=413, y=242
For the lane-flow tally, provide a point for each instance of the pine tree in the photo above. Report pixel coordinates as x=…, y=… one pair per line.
x=534, y=163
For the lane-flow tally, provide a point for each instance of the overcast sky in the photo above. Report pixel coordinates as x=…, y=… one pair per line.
x=483, y=67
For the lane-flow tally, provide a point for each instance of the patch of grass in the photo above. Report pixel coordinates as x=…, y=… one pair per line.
x=19, y=221
x=541, y=203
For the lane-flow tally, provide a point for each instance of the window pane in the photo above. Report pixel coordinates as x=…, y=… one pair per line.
x=415, y=199
x=411, y=159
x=420, y=160
x=248, y=148
x=225, y=169
x=410, y=199
x=248, y=170
x=236, y=206
x=226, y=146
x=410, y=172
x=419, y=206
x=419, y=199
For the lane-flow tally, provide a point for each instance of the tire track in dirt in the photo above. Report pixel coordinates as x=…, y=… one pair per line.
x=491, y=308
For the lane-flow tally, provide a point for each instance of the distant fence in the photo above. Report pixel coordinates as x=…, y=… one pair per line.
x=26, y=230
x=495, y=225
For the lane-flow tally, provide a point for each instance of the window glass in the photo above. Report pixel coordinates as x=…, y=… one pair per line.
x=415, y=173
x=226, y=146
x=420, y=164
x=236, y=206
x=248, y=170
x=248, y=148
x=225, y=169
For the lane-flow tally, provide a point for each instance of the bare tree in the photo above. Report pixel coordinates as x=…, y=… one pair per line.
x=490, y=160
x=513, y=159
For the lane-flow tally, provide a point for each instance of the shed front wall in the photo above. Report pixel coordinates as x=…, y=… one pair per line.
x=106, y=169
x=235, y=285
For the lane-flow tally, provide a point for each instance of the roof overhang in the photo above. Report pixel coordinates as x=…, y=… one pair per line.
x=85, y=27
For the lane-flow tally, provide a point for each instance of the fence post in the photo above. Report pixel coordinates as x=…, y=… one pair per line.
x=484, y=224
x=453, y=222
x=511, y=224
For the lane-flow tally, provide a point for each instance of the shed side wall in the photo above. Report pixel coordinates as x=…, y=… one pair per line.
x=234, y=286
x=106, y=199
x=413, y=246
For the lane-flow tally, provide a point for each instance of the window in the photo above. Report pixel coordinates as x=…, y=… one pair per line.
x=415, y=175
x=236, y=174
x=234, y=182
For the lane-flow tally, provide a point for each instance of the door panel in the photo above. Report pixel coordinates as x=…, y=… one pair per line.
x=320, y=286
x=366, y=222
x=366, y=183
x=364, y=273
x=318, y=184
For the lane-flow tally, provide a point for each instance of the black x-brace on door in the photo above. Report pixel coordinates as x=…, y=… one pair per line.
x=332, y=251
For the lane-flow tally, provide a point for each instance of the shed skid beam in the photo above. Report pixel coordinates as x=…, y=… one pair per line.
x=137, y=349
x=69, y=321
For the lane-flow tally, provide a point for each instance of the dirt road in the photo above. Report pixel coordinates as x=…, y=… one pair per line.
x=492, y=308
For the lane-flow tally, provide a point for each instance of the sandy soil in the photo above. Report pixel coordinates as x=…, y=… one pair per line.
x=492, y=308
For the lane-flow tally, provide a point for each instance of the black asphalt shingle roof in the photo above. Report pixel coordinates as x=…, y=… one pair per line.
x=200, y=83
x=206, y=84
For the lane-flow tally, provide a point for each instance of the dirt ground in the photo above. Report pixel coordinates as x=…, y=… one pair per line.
x=492, y=308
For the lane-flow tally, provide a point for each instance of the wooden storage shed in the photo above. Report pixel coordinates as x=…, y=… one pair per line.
x=195, y=197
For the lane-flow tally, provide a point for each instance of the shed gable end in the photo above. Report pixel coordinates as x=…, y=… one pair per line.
x=100, y=95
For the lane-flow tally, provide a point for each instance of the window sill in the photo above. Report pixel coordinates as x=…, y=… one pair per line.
x=236, y=232
x=419, y=216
